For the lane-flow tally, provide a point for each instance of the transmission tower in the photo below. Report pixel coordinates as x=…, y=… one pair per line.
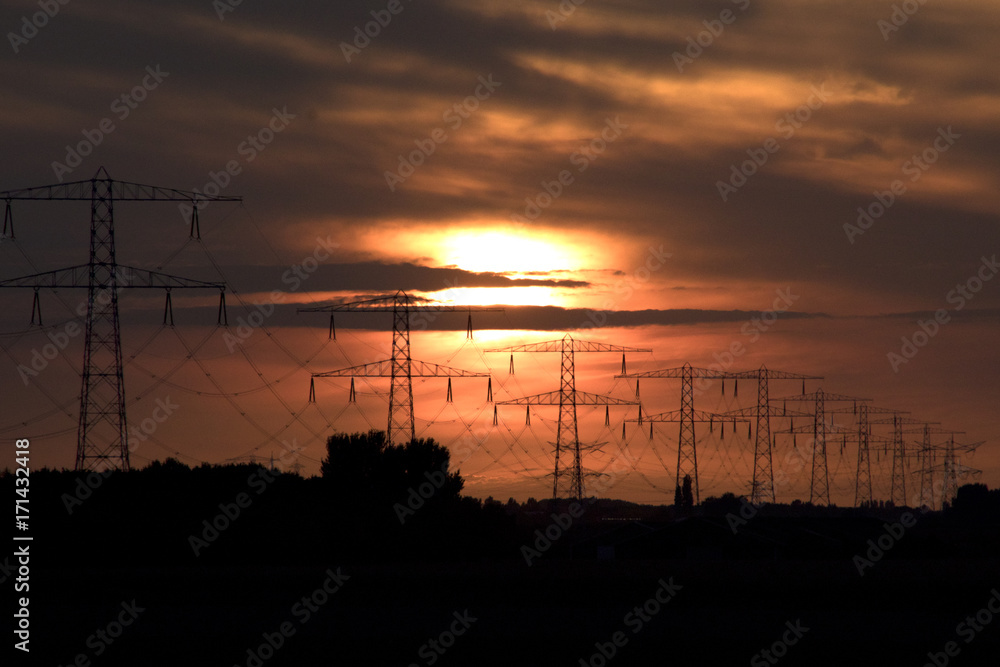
x=953, y=470
x=927, y=454
x=102, y=433
x=897, y=494
x=400, y=367
x=863, y=478
x=568, y=398
x=819, y=483
x=687, y=453
x=762, y=489
x=688, y=416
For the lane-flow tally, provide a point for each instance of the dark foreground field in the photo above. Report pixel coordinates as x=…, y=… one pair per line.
x=313, y=573
x=550, y=614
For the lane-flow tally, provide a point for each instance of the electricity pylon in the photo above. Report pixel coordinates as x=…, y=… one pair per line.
x=687, y=453
x=762, y=489
x=567, y=398
x=863, y=478
x=688, y=416
x=819, y=483
x=102, y=433
x=927, y=454
x=897, y=493
x=952, y=469
x=399, y=367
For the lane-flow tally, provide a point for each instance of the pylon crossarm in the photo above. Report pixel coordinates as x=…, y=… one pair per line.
x=355, y=308
x=874, y=410
x=120, y=191
x=577, y=397
x=384, y=369
x=390, y=303
x=772, y=411
x=768, y=374
x=128, y=277
x=933, y=431
x=900, y=420
x=693, y=415
x=391, y=298
x=809, y=429
x=826, y=396
x=951, y=467
x=74, y=276
x=693, y=372
x=573, y=344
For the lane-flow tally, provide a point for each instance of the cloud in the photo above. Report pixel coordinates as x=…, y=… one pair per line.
x=383, y=277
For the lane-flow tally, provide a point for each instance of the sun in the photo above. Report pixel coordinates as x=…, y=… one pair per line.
x=503, y=252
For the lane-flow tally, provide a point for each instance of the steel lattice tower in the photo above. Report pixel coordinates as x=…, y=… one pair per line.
x=762, y=489
x=863, y=478
x=568, y=398
x=819, y=482
x=952, y=469
x=102, y=431
x=400, y=366
x=687, y=452
x=688, y=416
x=927, y=454
x=898, y=479
x=897, y=494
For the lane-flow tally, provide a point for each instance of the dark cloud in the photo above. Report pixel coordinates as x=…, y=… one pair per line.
x=381, y=277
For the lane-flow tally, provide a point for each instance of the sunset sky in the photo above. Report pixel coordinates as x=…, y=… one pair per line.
x=626, y=172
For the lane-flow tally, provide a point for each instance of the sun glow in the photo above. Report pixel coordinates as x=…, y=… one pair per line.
x=509, y=296
x=501, y=252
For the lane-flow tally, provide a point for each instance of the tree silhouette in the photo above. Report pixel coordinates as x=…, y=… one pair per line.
x=687, y=493
x=366, y=467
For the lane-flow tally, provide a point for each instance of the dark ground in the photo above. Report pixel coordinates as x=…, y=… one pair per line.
x=404, y=585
